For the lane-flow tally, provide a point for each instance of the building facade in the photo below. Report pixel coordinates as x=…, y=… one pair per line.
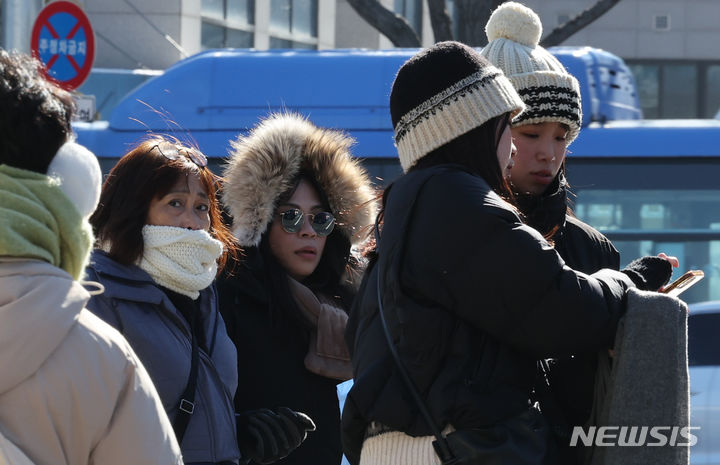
x=669, y=44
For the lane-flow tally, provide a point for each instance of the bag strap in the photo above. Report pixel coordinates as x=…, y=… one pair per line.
x=549, y=405
x=186, y=406
x=442, y=448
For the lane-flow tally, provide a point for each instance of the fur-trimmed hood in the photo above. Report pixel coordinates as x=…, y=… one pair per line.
x=263, y=164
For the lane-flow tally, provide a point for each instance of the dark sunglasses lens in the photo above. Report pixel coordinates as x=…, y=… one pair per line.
x=291, y=220
x=323, y=223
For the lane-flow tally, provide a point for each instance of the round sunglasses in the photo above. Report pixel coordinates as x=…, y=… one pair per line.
x=292, y=221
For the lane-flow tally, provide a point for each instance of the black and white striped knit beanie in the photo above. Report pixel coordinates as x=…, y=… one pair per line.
x=550, y=93
x=443, y=92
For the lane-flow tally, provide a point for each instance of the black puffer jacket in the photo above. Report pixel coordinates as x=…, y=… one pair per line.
x=582, y=247
x=478, y=297
x=271, y=368
x=585, y=249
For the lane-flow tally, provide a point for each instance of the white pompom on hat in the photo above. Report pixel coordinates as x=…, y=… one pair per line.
x=80, y=176
x=550, y=93
x=516, y=22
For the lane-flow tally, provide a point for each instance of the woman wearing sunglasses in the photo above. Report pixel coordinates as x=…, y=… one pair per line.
x=299, y=201
x=160, y=244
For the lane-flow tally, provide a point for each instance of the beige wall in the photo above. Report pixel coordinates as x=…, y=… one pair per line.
x=627, y=29
x=125, y=39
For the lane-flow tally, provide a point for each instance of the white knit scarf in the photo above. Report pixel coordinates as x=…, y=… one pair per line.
x=182, y=260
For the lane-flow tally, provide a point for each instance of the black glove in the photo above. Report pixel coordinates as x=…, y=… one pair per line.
x=649, y=273
x=266, y=436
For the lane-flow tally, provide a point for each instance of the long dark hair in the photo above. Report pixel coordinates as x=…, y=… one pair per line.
x=140, y=176
x=476, y=151
x=332, y=277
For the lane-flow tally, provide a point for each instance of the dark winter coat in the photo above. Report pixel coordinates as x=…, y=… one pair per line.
x=585, y=249
x=581, y=246
x=271, y=355
x=159, y=334
x=476, y=299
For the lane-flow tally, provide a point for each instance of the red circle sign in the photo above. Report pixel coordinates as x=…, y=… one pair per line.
x=64, y=42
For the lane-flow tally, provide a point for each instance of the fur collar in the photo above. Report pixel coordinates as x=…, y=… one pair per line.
x=262, y=165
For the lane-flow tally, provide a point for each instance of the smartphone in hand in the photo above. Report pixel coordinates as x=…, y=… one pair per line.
x=683, y=283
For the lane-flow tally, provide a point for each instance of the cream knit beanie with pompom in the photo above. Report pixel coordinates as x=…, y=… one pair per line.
x=549, y=92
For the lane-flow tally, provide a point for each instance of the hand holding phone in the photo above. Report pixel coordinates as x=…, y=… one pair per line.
x=683, y=283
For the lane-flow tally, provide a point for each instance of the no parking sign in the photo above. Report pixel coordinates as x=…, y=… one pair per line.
x=63, y=41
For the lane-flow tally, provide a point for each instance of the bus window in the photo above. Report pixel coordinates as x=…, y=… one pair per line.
x=648, y=206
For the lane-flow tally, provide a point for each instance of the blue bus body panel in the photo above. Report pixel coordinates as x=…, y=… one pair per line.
x=231, y=89
x=649, y=138
x=211, y=97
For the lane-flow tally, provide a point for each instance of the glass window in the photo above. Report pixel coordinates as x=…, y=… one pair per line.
x=224, y=19
x=276, y=42
x=712, y=92
x=703, y=330
x=213, y=8
x=693, y=255
x=647, y=222
x=661, y=22
x=304, y=18
x=241, y=11
x=212, y=36
x=679, y=91
x=294, y=22
x=238, y=39
x=280, y=14
x=667, y=209
x=647, y=79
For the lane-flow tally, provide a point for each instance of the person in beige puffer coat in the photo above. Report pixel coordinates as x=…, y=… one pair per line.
x=72, y=390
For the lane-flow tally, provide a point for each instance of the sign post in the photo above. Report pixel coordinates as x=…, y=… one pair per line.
x=64, y=42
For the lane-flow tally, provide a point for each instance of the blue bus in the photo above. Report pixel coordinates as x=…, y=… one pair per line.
x=211, y=97
x=650, y=186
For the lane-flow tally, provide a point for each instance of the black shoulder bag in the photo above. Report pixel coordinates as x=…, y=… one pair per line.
x=475, y=446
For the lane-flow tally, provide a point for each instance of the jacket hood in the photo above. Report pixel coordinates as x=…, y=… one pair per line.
x=39, y=304
x=264, y=164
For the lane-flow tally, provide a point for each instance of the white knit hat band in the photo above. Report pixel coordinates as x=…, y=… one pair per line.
x=453, y=112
